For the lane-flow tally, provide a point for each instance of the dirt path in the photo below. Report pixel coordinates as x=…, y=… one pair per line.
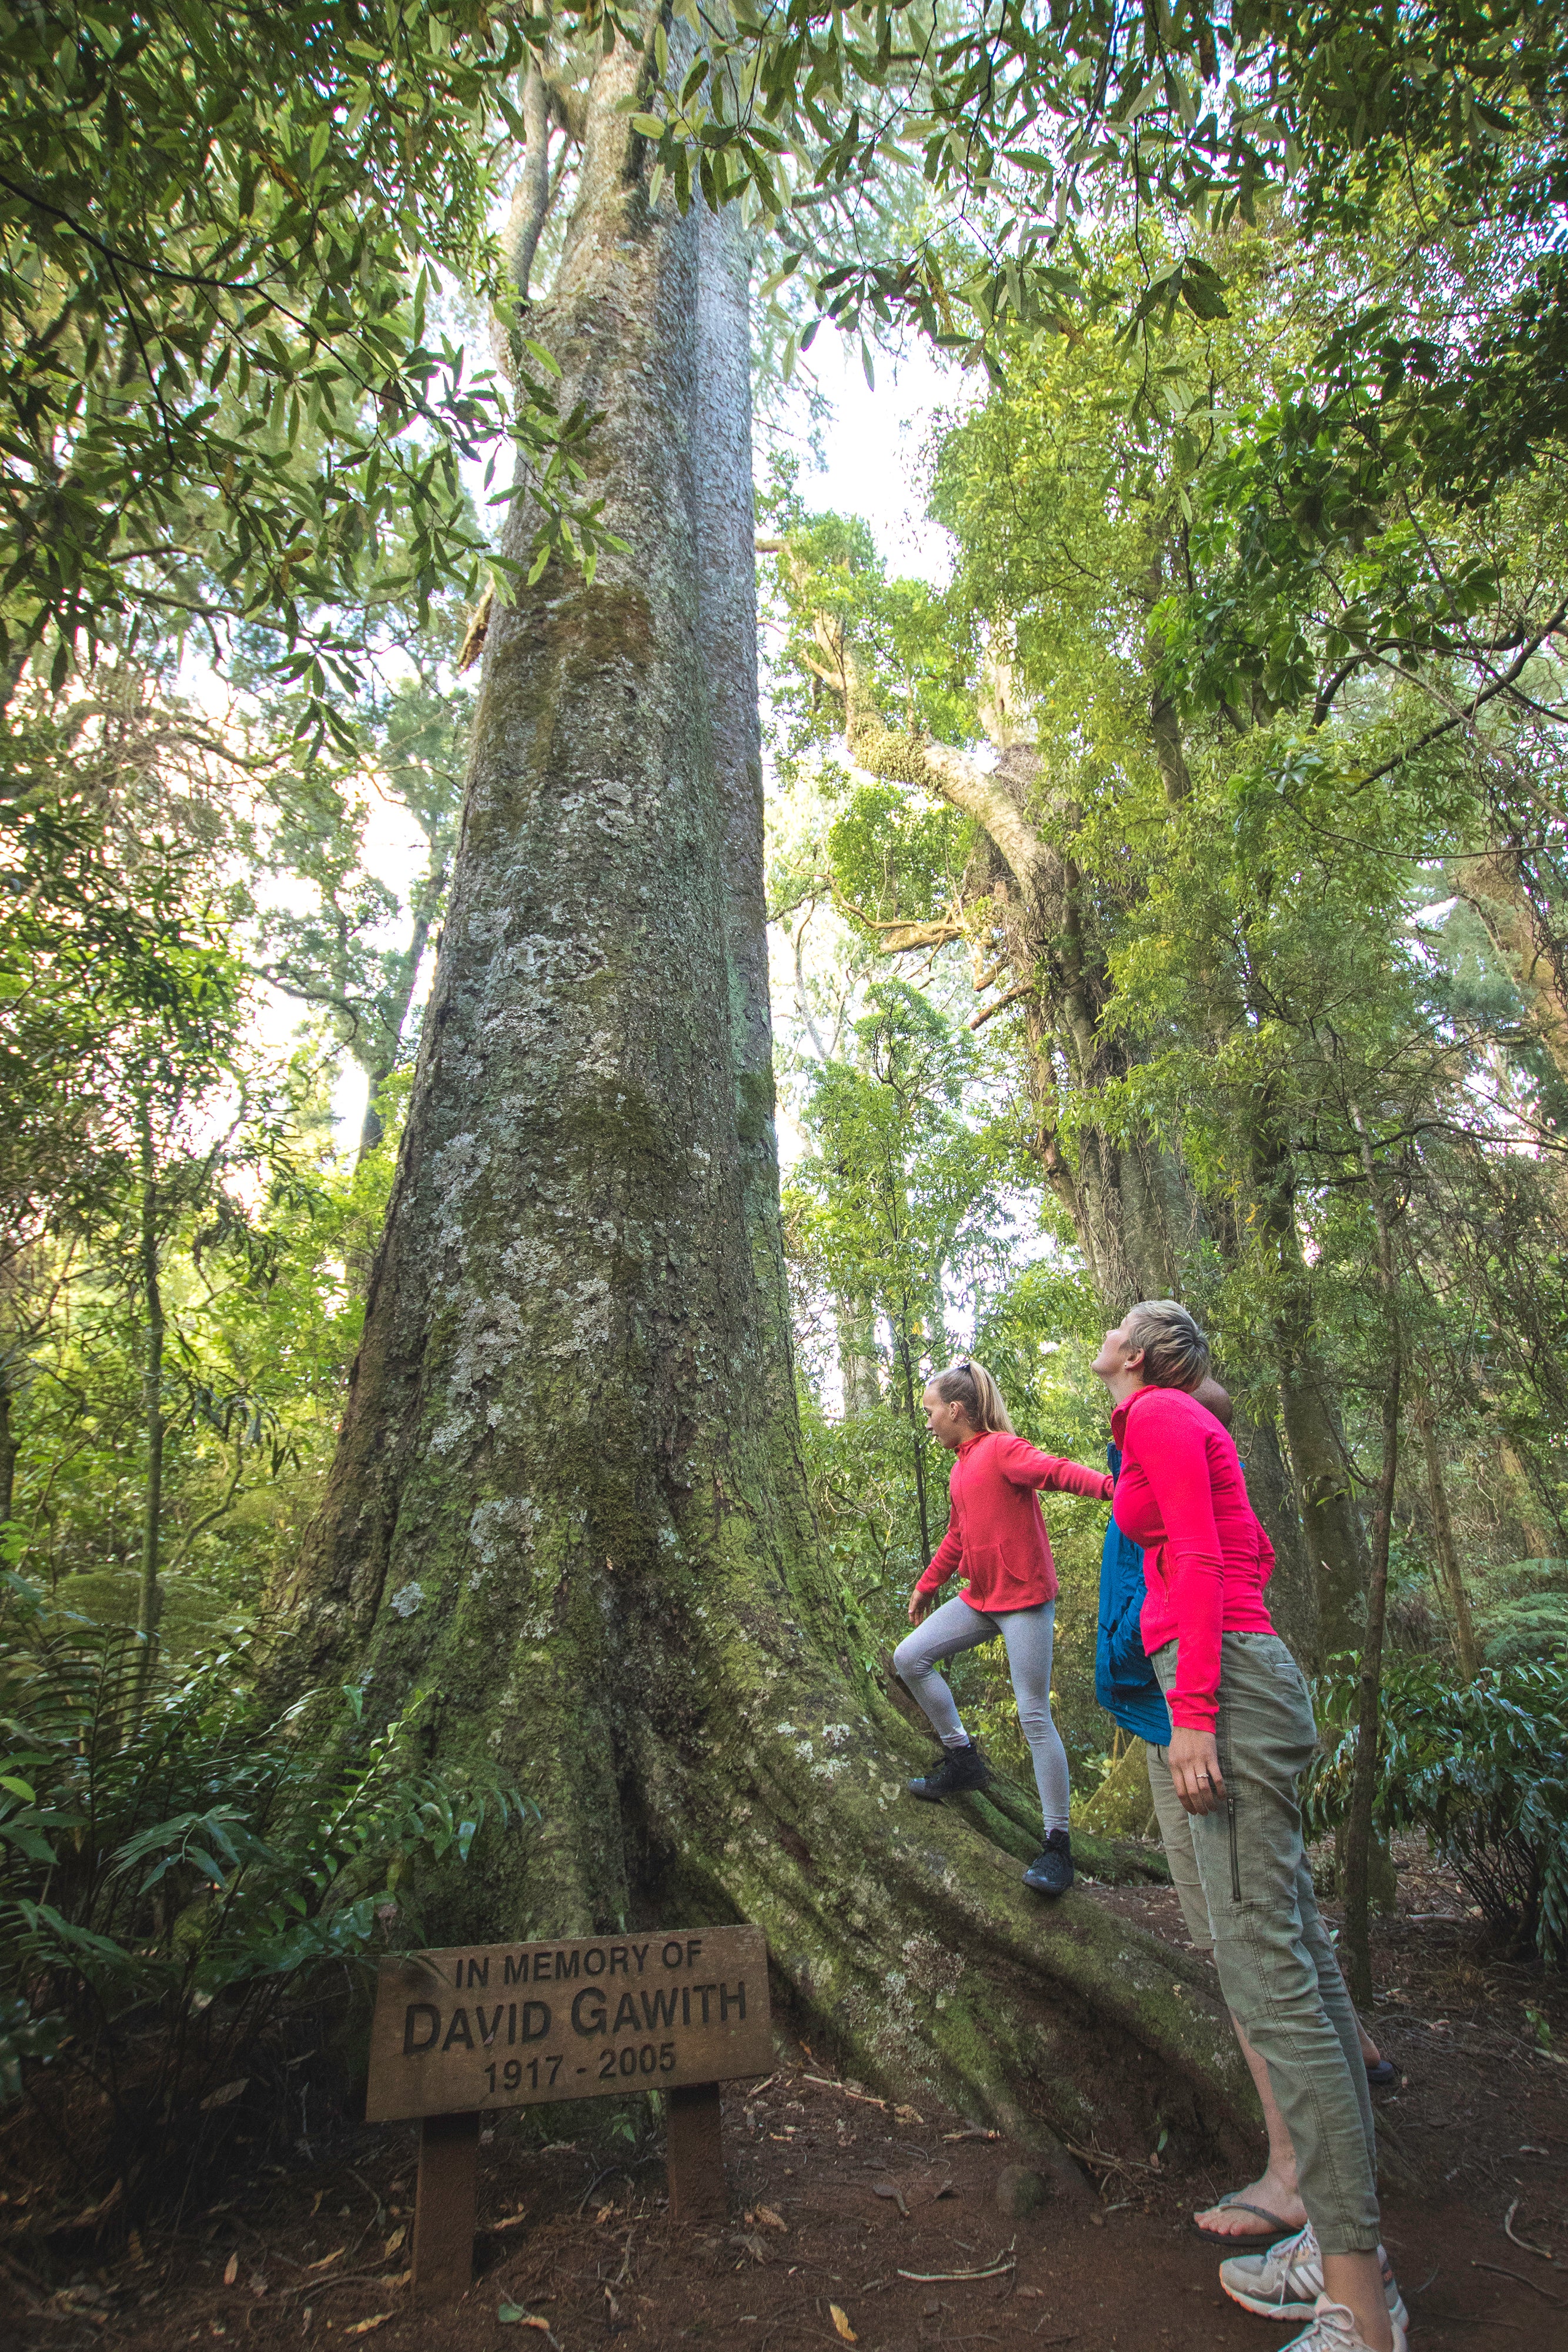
x=889, y=2215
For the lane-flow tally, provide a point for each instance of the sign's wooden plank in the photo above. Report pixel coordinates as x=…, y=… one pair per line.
x=506, y=2025
x=445, y=2206
x=694, y=2153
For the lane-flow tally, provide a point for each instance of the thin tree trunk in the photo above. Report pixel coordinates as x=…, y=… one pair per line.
x=1466, y=1646
x=858, y=1366
x=149, y=1597
x=569, y=1496
x=918, y=1448
x=1538, y=1543
x=1360, y=1835
x=530, y=205
x=7, y=1438
x=1330, y=1513
x=395, y=1010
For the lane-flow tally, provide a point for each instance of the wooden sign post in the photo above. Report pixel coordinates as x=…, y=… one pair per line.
x=458, y=2034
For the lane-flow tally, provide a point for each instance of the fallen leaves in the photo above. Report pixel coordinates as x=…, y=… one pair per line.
x=840, y=2324
x=327, y=2260
x=512, y=2314
x=907, y=2115
x=230, y=2269
x=395, y=2241
x=363, y=2326
x=225, y=2095
x=890, y=2189
x=770, y=2219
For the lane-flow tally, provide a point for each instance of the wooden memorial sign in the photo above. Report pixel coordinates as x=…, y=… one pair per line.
x=459, y=2034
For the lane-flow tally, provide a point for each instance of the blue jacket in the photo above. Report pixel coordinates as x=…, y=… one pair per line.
x=1124, y=1681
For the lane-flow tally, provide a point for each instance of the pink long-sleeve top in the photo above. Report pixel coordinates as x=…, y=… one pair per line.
x=996, y=1534
x=1207, y=1558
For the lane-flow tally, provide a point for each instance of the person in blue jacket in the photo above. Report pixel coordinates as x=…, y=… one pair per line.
x=1125, y=1686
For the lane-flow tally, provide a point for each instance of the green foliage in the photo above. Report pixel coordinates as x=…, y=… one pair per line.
x=1522, y=1611
x=1481, y=1769
x=1120, y=1802
x=177, y=1866
x=1020, y=129
x=892, y=859
x=903, y=1187
x=221, y=238
x=912, y=646
x=264, y=1314
x=351, y=943
x=117, y=978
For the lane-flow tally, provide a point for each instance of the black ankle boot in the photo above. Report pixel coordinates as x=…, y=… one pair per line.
x=1051, y=1872
x=962, y=1768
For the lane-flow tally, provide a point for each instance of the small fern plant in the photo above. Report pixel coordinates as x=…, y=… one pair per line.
x=180, y=1871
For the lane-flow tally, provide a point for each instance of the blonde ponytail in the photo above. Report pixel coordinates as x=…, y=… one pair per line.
x=968, y=1385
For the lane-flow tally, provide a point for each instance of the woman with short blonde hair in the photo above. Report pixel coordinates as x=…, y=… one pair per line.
x=1242, y=1734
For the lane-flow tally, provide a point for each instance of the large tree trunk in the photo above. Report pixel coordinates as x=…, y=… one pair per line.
x=568, y=1496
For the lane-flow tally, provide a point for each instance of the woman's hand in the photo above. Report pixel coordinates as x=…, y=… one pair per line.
x=1194, y=1760
x=920, y=1605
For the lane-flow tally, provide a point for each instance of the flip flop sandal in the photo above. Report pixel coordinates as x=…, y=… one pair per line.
x=1382, y=2075
x=1250, y=2240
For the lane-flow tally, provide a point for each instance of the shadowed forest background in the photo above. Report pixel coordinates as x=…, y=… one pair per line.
x=1172, y=901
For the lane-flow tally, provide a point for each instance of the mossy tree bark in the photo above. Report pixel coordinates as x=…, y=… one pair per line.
x=568, y=1496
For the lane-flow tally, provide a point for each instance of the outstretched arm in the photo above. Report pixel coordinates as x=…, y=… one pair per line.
x=1023, y=1465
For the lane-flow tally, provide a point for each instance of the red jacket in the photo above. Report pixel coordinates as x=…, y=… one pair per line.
x=1207, y=1558
x=995, y=1535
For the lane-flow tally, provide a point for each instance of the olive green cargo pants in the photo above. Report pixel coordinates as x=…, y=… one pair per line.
x=1276, y=1964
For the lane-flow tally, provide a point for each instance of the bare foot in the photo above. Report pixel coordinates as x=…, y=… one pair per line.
x=1271, y=2195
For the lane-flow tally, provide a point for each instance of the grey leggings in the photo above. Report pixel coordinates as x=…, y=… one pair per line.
x=1028, y=1633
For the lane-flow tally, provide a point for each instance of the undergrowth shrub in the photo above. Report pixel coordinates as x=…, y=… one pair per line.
x=1482, y=1768
x=181, y=1871
x=1522, y=1611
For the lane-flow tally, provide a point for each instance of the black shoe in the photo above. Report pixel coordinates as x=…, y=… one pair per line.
x=962, y=1768
x=1051, y=1872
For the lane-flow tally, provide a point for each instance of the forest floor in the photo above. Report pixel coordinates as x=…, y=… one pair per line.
x=888, y=2216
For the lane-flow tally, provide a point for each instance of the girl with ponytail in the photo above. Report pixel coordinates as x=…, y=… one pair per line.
x=996, y=1539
